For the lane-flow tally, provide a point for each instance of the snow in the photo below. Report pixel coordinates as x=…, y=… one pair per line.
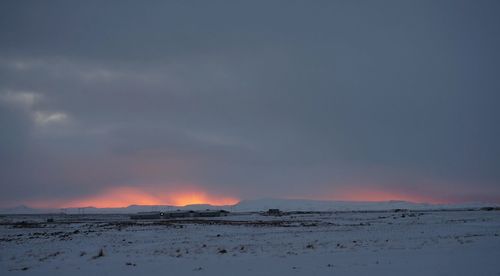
x=451, y=242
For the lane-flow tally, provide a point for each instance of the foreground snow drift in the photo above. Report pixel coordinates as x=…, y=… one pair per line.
x=346, y=243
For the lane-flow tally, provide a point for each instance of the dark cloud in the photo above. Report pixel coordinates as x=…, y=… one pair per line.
x=255, y=99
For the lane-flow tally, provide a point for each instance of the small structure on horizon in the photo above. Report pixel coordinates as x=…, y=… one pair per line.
x=274, y=212
x=147, y=215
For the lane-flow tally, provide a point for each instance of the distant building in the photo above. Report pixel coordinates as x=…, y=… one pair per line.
x=148, y=215
x=274, y=212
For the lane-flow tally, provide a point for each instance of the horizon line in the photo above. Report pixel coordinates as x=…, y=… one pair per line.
x=231, y=205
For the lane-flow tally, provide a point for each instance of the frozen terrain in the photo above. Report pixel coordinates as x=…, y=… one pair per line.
x=399, y=242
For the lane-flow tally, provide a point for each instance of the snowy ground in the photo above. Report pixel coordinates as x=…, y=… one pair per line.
x=348, y=243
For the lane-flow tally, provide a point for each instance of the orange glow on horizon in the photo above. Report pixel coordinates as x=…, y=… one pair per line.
x=126, y=196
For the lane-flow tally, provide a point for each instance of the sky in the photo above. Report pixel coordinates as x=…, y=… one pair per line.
x=111, y=103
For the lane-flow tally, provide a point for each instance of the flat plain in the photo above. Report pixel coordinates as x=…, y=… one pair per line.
x=401, y=242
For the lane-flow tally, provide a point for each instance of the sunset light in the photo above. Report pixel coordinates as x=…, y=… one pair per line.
x=249, y=137
x=126, y=196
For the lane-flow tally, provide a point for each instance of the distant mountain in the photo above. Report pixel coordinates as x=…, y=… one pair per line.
x=324, y=205
x=254, y=205
x=132, y=209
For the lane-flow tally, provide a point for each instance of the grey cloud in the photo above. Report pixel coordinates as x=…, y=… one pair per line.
x=252, y=98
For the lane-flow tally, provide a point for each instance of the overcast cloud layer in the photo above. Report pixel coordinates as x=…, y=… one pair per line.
x=250, y=99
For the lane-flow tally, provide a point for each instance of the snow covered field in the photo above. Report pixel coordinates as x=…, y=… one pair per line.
x=329, y=243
